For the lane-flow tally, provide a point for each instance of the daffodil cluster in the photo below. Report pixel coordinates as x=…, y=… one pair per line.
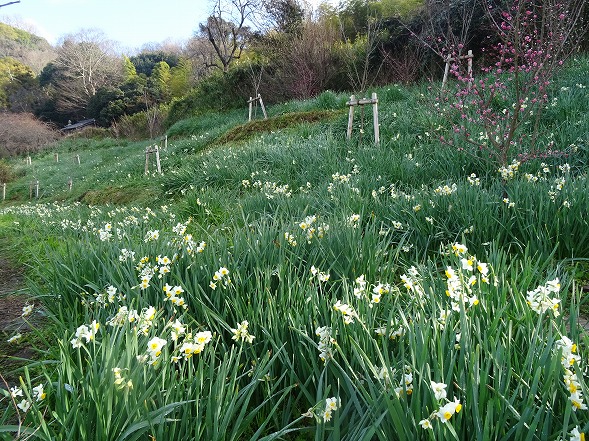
x=331, y=405
x=347, y=311
x=540, y=299
x=446, y=190
x=509, y=171
x=446, y=410
x=460, y=281
x=154, y=349
x=37, y=394
x=174, y=295
x=570, y=359
x=361, y=290
x=241, y=333
x=221, y=276
x=87, y=333
x=151, y=236
x=319, y=275
x=192, y=344
x=185, y=241
x=412, y=281
x=354, y=220
x=325, y=342
x=105, y=233
x=120, y=381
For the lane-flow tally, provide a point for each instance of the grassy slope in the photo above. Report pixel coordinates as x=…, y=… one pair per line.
x=237, y=196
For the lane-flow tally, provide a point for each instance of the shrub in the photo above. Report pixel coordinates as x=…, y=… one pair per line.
x=22, y=134
x=6, y=173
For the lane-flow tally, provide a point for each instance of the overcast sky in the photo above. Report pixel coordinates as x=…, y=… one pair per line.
x=132, y=23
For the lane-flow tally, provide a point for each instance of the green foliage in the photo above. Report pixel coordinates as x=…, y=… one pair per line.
x=13, y=74
x=219, y=91
x=6, y=172
x=145, y=62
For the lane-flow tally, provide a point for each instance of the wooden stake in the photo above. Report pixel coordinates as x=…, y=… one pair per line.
x=352, y=103
x=56, y=156
x=157, y=160
x=262, y=106
x=251, y=106
x=29, y=162
x=78, y=159
x=375, y=118
x=37, y=189
x=146, y=159
x=4, y=191
x=70, y=183
x=166, y=142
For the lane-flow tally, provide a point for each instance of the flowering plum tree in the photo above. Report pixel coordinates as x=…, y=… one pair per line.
x=498, y=116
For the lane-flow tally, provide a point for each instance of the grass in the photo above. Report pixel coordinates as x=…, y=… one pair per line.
x=363, y=273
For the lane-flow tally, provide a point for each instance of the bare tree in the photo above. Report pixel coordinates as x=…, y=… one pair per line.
x=358, y=55
x=308, y=62
x=86, y=62
x=227, y=29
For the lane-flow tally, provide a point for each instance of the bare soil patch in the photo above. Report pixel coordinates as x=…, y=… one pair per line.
x=12, y=299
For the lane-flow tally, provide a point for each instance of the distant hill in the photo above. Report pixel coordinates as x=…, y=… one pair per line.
x=25, y=47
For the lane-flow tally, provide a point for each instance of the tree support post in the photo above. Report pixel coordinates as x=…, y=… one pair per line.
x=469, y=56
x=251, y=102
x=362, y=102
x=149, y=150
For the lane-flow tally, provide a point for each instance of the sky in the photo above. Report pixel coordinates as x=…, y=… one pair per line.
x=132, y=23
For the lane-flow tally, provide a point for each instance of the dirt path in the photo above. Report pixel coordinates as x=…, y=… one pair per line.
x=13, y=297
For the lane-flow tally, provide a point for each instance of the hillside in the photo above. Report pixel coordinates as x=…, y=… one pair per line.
x=25, y=47
x=280, y=281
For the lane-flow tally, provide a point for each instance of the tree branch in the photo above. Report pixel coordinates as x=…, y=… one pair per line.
x=9, y=3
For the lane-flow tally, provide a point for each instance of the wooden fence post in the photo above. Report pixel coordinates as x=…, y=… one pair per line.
x=146, y=159
x=29, y=162
x=251, y=108
x=37, y=189
x=56, y=157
